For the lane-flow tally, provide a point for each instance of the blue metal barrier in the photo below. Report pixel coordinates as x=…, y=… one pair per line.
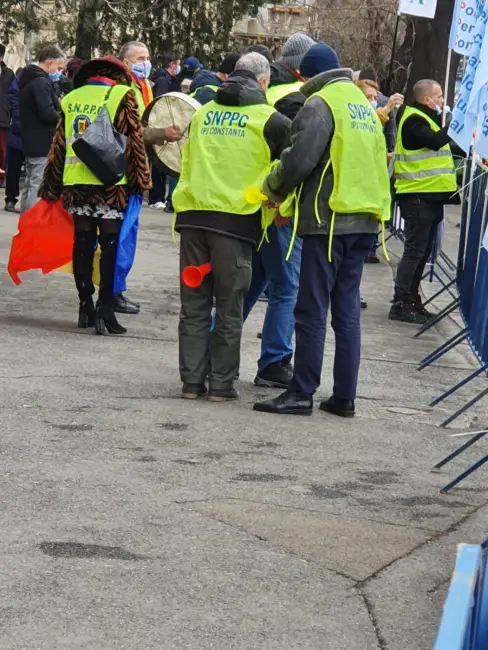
x=464, y=623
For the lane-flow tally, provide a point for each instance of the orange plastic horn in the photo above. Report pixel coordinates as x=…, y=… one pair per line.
x=192, y=276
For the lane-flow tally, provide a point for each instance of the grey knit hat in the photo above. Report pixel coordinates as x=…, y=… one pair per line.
x=295, y=48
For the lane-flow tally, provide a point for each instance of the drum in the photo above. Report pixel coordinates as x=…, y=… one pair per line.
x=172, y=109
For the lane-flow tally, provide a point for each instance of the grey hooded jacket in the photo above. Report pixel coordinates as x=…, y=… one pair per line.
x=303, y=162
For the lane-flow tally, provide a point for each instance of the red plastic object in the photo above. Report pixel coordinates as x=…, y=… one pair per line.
x=44, y=240
x=193, y=276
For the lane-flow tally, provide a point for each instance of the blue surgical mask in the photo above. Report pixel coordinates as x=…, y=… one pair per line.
x=142, y=70
x=177, y=70
x=374, y=104
x=55, y=76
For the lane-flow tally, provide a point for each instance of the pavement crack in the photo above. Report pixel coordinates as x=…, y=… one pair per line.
x=435, y=538
x=275, y=547
x=382, y=644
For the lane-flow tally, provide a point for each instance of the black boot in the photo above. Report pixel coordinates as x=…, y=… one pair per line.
x=105, y=316
x=83, y=252
x=419, y=306
x=405, y=312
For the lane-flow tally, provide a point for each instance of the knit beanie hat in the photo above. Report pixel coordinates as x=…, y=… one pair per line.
x=229, y=63
x=295, y=48
x=319, y=58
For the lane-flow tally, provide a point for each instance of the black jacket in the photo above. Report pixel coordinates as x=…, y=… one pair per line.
x=304, y=161
x=203, y=94
x=241, y=89
x=6, y=76
x=292, y=103
x=39, y=111
x=417, y=134
x=163, y=82
x=14, y=137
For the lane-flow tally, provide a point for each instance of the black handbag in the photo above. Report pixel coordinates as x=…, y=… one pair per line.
x=102, y=148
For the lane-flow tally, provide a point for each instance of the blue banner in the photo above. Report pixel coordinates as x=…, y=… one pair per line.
x=463, y=26
x=465, y=112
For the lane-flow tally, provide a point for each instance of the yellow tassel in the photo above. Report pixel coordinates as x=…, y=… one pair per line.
x=383, y=242
x=295, y=222
x=331, y=237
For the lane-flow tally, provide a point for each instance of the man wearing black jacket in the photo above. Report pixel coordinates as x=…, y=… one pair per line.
x=39, y=114
x=6, y=76
x=164, y=78
x=425, y=181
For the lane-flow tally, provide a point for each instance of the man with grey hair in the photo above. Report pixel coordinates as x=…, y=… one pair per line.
x=231, y=145
x=135, y=56
x=425, y=181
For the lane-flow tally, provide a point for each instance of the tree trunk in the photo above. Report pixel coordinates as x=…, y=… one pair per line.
x=87, y=36
x=429, y=59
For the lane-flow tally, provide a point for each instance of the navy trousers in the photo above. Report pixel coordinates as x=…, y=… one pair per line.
x=335, y=285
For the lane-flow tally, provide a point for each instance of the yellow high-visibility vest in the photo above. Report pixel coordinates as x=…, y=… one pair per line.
x=276, y=93
x=423, y=170
x=225, y=154
x=80, y=108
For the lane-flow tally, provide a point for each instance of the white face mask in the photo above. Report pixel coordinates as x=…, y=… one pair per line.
x=374, y=103
x=438, y=110
x=177, y=70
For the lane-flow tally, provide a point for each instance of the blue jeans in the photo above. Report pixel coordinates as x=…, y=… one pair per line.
x=271, y=270
x=172, y=183
x=325, y=285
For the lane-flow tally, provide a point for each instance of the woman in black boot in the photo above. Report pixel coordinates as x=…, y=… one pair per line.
x=97, y=209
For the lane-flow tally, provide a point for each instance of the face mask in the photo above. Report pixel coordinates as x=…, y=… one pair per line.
x=142, y=70
x=55, y=76
x=374, y=104
x=438, y=110
x=177, y=70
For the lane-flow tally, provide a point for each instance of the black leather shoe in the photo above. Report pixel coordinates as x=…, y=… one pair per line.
x=276, y=375
x=344, y=408
x=123, y=305
x=286, y=404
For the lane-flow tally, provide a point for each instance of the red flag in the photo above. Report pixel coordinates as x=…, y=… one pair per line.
x=44, y=241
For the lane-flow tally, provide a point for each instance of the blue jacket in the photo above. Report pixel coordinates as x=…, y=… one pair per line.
x=204, y=78
x=14, y=139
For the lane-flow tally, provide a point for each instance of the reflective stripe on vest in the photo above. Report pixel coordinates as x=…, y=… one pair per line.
x=225, y=154
x=80, y=108
x=357, y=154
x=277, y=93
x=423, y=170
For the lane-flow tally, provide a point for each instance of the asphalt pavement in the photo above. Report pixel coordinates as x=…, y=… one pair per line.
x=132, y=519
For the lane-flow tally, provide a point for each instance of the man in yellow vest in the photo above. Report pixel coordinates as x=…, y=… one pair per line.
x=231, y=145
x=284, y=88
x=337, y=165
x=425, y=180
x=135, y=56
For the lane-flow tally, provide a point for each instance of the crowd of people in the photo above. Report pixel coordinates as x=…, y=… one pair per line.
x=326, y=151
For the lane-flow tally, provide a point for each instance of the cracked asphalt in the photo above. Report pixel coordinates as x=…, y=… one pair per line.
x=132, y=519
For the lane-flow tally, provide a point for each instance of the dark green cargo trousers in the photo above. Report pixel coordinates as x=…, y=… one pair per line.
x=203, y=353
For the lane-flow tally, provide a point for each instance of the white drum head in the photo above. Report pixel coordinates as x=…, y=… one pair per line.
x=172, y=109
